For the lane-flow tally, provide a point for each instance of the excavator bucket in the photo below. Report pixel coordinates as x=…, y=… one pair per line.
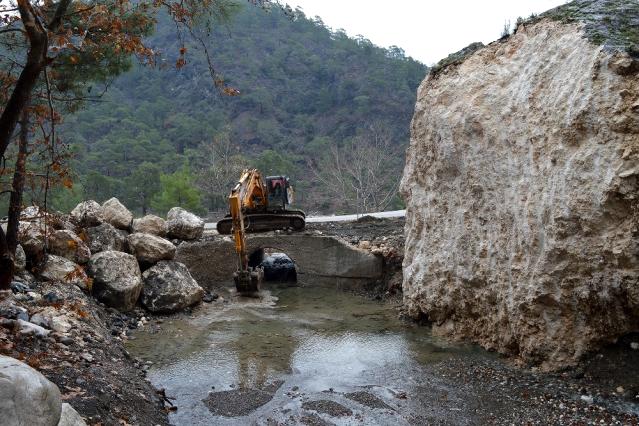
x=248, y=282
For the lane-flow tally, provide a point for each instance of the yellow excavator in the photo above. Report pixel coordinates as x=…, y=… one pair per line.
x=257, y=205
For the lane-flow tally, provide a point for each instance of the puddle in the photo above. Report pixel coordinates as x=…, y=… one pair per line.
x=287, y=357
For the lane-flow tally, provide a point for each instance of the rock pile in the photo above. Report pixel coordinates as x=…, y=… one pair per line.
x=103, y=249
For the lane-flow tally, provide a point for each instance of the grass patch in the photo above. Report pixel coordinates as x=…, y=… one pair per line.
x=610, y=23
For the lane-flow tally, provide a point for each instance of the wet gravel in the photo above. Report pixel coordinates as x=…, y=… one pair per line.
x=314, y=420
x=326, y=406
x=240, y=402
x=368, y=399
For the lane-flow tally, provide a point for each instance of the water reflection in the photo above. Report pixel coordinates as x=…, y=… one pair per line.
x=314, y=339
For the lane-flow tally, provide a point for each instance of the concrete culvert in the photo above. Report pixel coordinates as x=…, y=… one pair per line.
x=319, y=260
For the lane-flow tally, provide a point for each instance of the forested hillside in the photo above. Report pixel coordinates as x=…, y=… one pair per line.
x=330, y=111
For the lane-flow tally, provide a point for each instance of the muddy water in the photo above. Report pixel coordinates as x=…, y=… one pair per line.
x=298, y=355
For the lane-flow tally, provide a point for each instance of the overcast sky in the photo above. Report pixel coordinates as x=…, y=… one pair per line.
x=427, y=30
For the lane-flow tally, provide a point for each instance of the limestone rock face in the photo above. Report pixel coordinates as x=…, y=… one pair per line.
x=150, y=224
x=149, y=248
x=105, y=237
x=61, y=269
x=67, y=244
x=116, y=214
x=522, y=190
x=169, y=287
x=87, y=213
x=184, y=225
x=26, y=396
x=117, y=280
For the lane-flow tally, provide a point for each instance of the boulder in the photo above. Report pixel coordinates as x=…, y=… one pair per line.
x=169, y=287
x=116, y=214
x=26, y=278
x=20, y=259
x=70, y=417
x=522, y=192
x=184, y=225
x=57, y=268
x=149, y=248
x=26, y=396
x=87, y=213
x=60, y=221
x=54, y=319
x=150, y=224
x=105, y=237
x=31, y=237
x=54, y=220
x=117, y=280
x=26, y=328
x=67, y=244
x=31, y=213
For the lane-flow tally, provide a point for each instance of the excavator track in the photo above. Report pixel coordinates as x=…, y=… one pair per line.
x=264, y=222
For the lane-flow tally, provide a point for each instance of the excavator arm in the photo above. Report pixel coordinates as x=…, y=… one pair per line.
x=249, y=193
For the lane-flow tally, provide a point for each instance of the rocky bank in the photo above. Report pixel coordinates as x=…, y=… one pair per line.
x=83, y=282
x=522, y=189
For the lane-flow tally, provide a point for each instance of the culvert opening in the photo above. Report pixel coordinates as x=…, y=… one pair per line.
x=278, y=266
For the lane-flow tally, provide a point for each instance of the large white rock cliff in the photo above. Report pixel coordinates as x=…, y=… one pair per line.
x=522, y=189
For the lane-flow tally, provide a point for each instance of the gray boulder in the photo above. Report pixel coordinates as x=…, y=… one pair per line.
x=31, y=237
x=67, y=244
x=149, y=248
x=27, y=328
x=184, y=225
x=105, y=237
x=150, y=224
x=169, y=287
x=20, y=259
x=32, y=213
x=87, y=213
x=57, y=268
x=54, y=319
x=116, y=214
x=70, y=417
x=26, y=278
x=26, y=396
x=117, y=280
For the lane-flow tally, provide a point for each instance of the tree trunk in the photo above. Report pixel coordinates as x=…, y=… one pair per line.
x=15, y=204
x=36, y=61
x=7, y=268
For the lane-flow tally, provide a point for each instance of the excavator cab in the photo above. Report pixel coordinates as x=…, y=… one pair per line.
x=280, y=191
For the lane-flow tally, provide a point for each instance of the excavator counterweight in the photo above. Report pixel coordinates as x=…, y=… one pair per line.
x=256, y=206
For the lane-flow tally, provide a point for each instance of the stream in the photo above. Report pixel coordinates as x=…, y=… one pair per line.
x=298, y=355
